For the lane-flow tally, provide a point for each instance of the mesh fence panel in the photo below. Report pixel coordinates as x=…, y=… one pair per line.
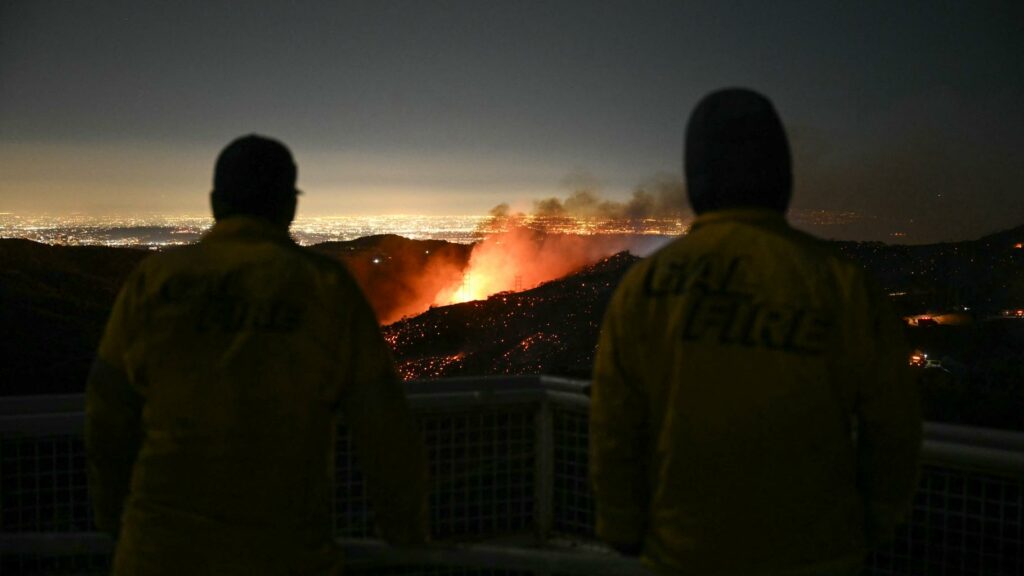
x=962, y=523
x=352, y=515
x=573, y=505
x=482, y=464
x=43, y=485
x=482, y=471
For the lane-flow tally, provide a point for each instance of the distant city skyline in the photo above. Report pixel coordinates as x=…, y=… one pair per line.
x=908, y=116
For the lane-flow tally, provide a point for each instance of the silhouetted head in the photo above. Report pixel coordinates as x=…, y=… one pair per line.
x=737, y=154
x=255, y=176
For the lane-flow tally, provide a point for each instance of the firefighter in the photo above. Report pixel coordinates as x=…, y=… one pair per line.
x=212, y=406
x=752, y=408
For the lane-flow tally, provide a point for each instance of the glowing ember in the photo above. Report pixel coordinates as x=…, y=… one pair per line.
x=430, y=367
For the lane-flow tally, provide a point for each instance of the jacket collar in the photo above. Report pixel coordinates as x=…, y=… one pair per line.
x=762, y=216
x=246, y=227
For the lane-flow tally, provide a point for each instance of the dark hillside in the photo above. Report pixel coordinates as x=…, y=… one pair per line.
x=54, y=300
x=54, y=303
x=986, y=275
x=551, y=329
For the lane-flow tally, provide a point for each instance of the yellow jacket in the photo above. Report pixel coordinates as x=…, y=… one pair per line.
x=211, y=410
x=735, y=366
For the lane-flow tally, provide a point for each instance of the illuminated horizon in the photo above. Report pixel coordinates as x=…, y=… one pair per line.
x=90, y=229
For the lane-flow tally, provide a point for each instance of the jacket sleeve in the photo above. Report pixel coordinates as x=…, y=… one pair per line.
x=385, y=436
x=618, y=444
x=888, y=417
x=112, y=418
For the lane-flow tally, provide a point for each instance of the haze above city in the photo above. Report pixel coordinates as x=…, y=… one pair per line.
x=904, y=118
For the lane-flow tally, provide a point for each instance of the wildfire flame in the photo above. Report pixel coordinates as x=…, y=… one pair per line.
x=522, y=258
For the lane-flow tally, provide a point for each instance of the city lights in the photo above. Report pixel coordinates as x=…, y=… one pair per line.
x=157, y=230
x=162, y=230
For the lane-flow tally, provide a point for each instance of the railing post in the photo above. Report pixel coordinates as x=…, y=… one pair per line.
x=544, y=470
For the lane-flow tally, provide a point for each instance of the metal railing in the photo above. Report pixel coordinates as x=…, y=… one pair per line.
x=508, y=459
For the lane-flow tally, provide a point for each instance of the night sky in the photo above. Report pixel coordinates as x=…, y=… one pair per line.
x=910, y=114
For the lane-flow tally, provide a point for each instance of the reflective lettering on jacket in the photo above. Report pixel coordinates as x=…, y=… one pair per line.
x=725, y=309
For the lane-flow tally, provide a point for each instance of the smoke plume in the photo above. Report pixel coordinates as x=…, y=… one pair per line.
x=661, y=197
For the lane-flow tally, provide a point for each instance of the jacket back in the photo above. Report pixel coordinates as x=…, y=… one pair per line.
x=733, y=369
x=241, y=352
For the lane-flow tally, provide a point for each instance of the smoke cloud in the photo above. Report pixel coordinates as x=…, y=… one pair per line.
x=662, y=196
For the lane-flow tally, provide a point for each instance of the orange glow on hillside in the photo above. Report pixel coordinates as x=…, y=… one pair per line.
x=520, y=259
x=515, y=253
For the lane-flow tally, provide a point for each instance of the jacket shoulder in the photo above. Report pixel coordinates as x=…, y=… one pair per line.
x=322, y=264
x=166, y=258
x=632, y=281
x=852, y=280
x=825, y=251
